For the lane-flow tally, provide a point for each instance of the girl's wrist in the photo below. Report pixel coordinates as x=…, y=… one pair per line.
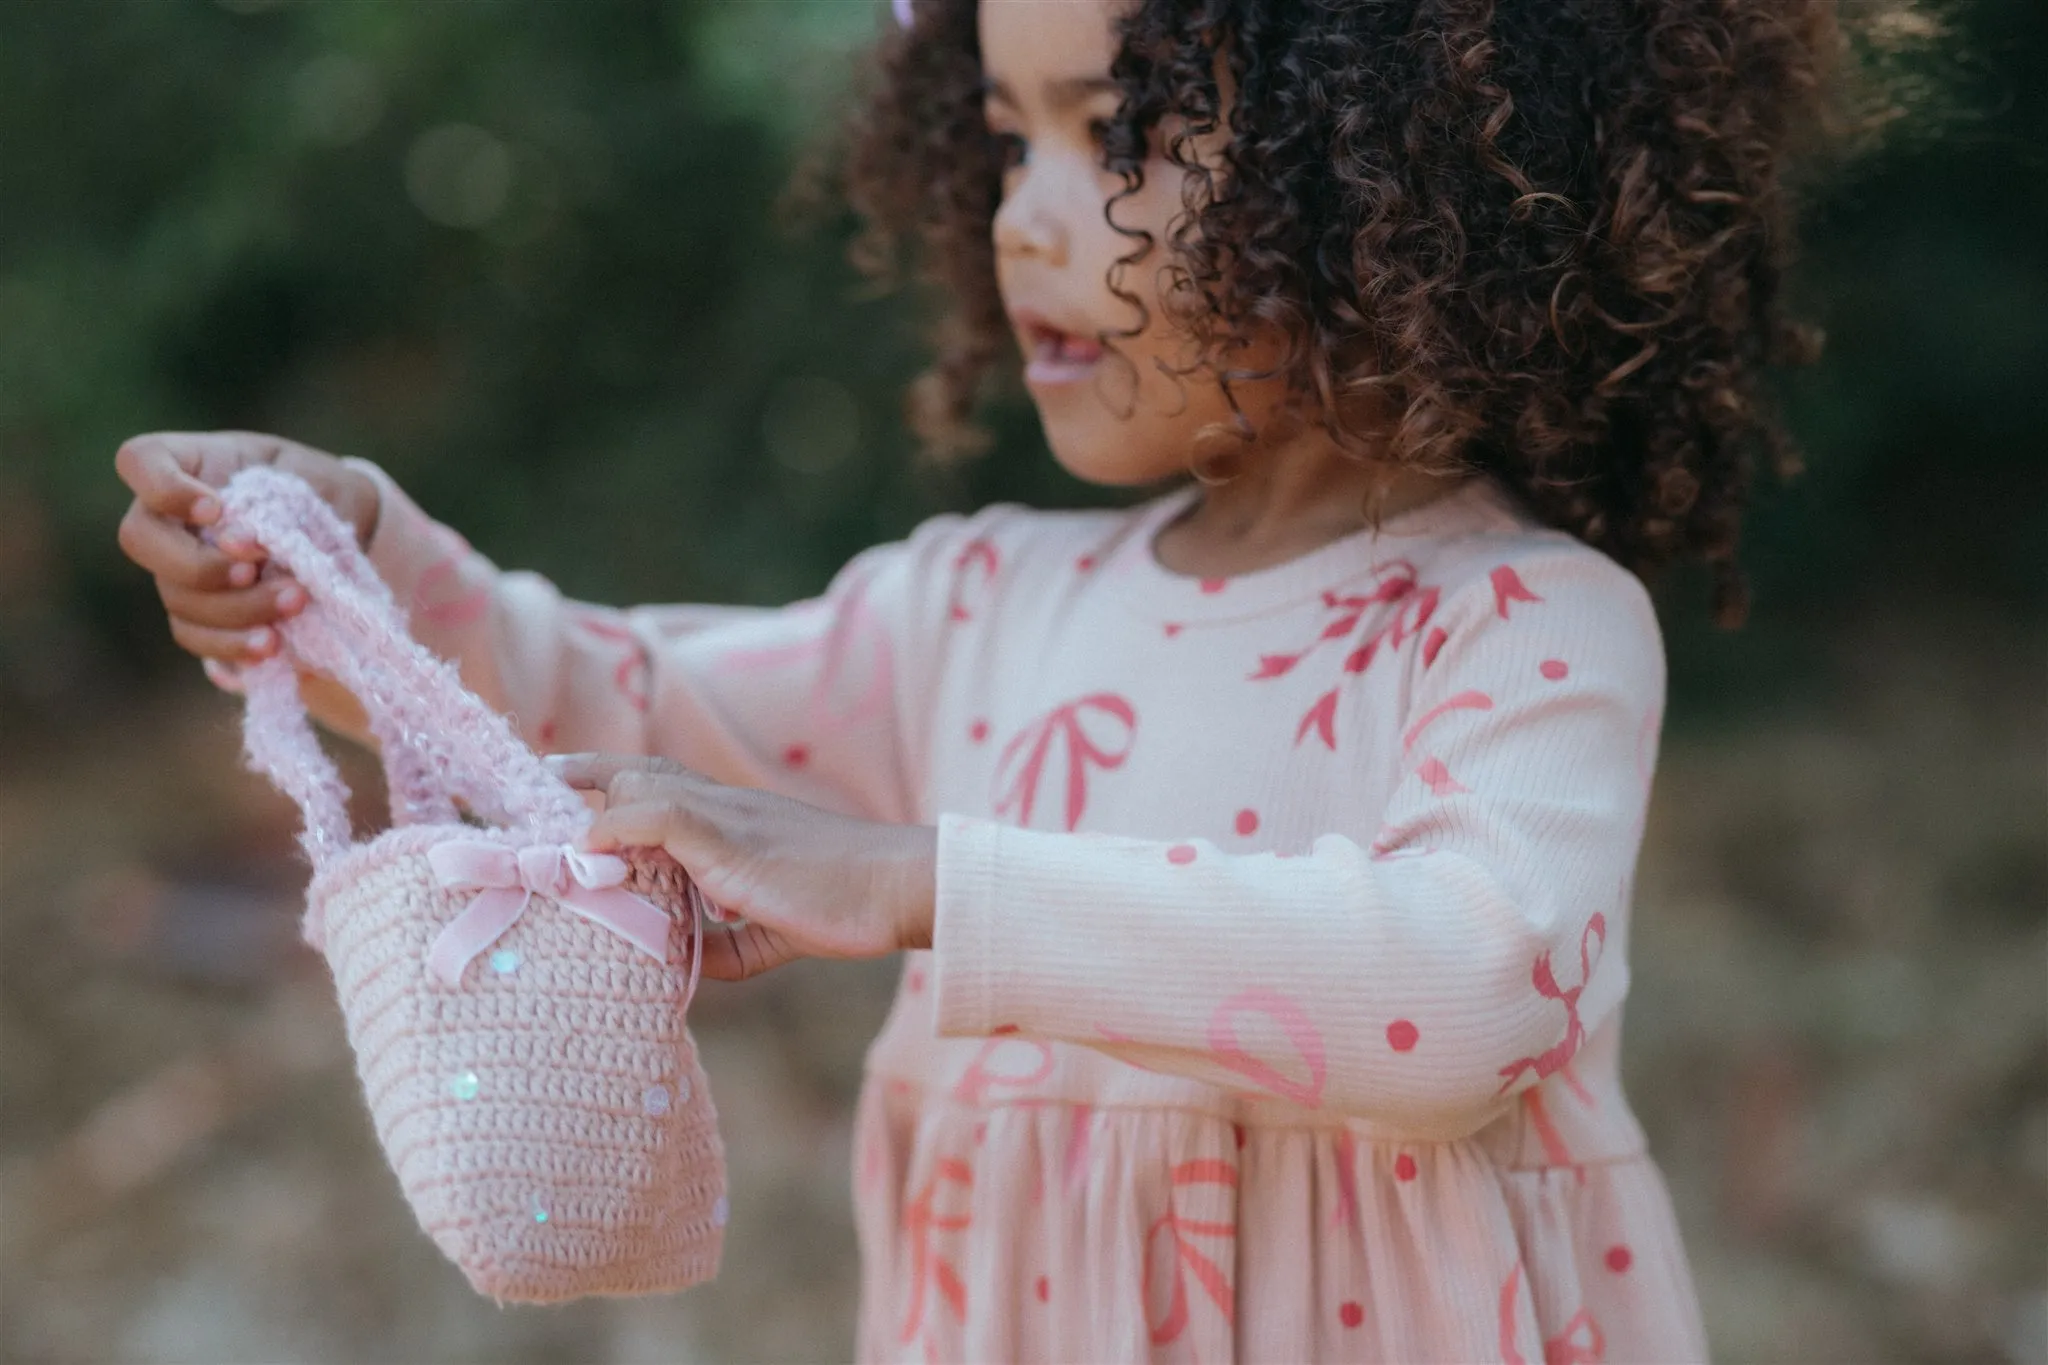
x=914, y=864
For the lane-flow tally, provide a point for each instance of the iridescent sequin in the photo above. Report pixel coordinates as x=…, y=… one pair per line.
x=540, y=1210
x=505, y=962
x=463, y=1085
x=655, y=1100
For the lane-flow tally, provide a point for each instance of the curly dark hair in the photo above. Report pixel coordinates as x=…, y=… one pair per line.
x=1540, y=238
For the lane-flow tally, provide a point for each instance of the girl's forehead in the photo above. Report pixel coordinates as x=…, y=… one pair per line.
x=1039, y=50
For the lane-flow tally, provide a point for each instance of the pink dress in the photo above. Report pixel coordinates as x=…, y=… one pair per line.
x=1275, y=1002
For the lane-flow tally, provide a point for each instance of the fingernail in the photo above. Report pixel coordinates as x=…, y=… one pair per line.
x=205, y=509
x=259, y=640
x=291, y=599
x=242, y=575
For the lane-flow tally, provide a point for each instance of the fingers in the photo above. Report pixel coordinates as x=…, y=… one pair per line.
x=234, y=608
x=212, y=642
x=686, y=835
x=743, y=951
x=222, y=676
x=170, y=551
x=163, y=470
x=598, y=772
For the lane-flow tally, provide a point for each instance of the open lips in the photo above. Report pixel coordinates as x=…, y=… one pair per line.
x=1055, y=355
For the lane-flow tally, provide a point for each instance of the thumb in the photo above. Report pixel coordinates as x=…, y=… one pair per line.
x=744, y=950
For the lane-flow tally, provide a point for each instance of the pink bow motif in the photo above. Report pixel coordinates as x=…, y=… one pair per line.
x=1546, y=985
x=506, y=879
x=1023, y=758
x=1580, y=1343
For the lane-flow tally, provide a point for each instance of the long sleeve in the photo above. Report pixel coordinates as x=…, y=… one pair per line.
x=821, y=699
x=1420, y=973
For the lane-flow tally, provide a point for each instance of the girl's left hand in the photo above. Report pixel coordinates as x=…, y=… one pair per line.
x=807, y=882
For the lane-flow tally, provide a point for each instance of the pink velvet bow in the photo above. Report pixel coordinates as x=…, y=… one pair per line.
x=505, y=879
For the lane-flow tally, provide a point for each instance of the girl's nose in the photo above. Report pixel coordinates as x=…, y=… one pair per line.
x=1024, y=226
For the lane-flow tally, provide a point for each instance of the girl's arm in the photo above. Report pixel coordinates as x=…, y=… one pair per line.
x=1420, y=974
x=818, y=700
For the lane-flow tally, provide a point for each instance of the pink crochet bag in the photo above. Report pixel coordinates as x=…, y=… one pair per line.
x=515, y=1005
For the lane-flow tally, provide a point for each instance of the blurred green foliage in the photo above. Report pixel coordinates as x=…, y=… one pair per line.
x=526, y=255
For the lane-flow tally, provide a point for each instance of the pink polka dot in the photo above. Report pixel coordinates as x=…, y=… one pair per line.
x=916, y=982
x=1044, y=1289
x=1350, y=1313
x=980, y=1133
x=1181, y=854
x=1401, y=1035
x=978, y=731
x=796, y=755
x=1618, y=1258
x=1085, y=563
x=1247, y=821
x=1404, y=1167
x=1172, y=629
x=1213, y=585
x=1554, y=669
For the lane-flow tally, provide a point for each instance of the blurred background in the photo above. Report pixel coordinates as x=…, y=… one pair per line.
x=526, y=255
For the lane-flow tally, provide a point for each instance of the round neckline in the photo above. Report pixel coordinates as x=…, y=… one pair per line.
x=1181, y=599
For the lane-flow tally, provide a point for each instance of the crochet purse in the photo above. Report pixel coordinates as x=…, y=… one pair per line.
x=515, y=1004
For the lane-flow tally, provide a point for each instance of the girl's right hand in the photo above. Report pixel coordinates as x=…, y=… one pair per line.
x=219, y=609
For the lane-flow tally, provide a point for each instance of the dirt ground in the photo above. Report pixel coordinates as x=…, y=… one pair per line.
x=1837, y=1038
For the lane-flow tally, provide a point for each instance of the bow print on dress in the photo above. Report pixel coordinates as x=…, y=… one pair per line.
x=1546, y=985
x=1508, y=587
x=1580, y=1343
x=443, y=596
x=1415, y=605
x=1294, y=1023
x=1022, y=761
x=506, y=880
x=974, y=570
x=921, y=1218
x=981, y=1077
x=1221, y=1178
x=634, y=669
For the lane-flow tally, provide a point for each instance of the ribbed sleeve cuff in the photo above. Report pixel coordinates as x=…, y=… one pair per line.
x=963, y=918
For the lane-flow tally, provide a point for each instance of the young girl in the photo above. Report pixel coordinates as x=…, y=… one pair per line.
x=1261, y=857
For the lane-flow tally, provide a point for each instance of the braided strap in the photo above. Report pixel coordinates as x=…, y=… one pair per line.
x=439, y=742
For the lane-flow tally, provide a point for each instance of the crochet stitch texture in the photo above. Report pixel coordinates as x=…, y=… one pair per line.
x=547, y=1116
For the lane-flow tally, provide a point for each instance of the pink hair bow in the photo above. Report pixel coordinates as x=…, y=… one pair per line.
x=506, y=879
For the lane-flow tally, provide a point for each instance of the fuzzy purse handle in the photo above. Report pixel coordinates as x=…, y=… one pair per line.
x=439, y=741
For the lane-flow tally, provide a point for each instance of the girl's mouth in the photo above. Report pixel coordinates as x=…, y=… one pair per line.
x=1055, y=357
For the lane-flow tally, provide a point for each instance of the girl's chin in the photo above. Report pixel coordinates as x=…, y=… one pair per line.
x=1108, y=456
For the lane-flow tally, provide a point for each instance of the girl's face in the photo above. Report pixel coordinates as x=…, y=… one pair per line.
x=1110, y=418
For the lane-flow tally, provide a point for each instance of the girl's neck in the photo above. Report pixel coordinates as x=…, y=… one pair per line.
x=1285, y=501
